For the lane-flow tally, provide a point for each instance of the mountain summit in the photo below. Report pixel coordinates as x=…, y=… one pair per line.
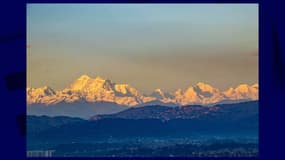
x=87, y=89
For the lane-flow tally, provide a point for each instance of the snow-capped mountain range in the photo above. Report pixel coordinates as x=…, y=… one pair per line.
x=87, y=89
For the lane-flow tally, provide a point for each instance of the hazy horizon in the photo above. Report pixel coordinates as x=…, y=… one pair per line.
x=148, y=46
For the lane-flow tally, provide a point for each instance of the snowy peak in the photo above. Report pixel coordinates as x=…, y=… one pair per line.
x=87, y=83
x=79, y=83
x=163, y=97
x=126, y=90
x=158, y=93
x=100, y=79
x=201, y=93
x=40, y=95
x=230, y=91
x=242, y=91
x=84, y=77
x=255, y=86
x=204, y=87
x=47, y=90
x=122, y=88
x=190, y=92
x=179, y=92
x=98, y=89
x=42, y=91
x=243, y=88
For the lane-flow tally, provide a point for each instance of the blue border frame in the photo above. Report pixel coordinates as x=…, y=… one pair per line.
x=271, y=75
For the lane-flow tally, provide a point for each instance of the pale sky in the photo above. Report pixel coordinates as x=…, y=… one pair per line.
x=148, y=46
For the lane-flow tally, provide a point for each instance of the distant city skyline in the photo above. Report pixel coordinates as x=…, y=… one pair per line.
x=148, y=46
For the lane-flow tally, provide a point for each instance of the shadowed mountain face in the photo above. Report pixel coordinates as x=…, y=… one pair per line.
x=77, y=109
x=149, y=121
x=191, y=112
